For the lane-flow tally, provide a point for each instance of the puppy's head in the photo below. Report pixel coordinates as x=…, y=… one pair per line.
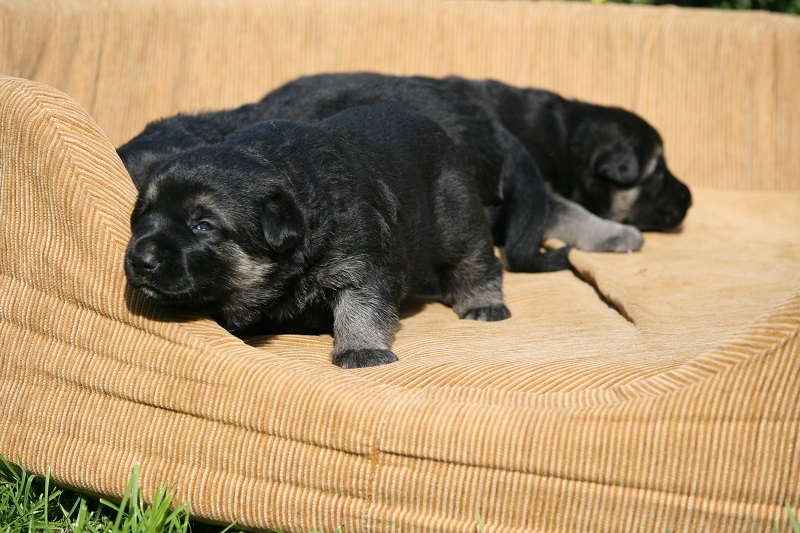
x=623, y=175
x=161, y=139
x=204, y=236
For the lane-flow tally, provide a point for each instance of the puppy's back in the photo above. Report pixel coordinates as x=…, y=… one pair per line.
x=405, y=137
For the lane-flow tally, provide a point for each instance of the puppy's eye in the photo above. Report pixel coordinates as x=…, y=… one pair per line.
x=203, y=225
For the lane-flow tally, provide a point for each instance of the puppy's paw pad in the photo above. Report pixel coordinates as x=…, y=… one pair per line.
x=625, y=239
x=491, y=313
x=363, y=358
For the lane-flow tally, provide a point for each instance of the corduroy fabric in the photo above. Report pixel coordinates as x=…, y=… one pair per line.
x=642, y=391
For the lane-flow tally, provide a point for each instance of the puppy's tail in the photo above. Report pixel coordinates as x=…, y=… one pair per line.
x=548, y=261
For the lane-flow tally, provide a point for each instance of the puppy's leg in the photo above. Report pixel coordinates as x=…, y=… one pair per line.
x=470, y=274
x=573, y=224
x=364, y=323
x=525, y=212
x=473, y=287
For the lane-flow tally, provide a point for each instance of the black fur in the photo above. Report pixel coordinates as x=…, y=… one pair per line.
x=593, y=155
x=321, y=226
x=509, y=182
x=544, y=164
x=164, y=138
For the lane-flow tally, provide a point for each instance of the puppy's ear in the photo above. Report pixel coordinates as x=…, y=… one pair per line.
x=142, y=163
x=619, y=165
x=281, y=220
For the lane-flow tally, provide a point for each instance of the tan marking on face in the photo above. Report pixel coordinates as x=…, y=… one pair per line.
x=658, y=151
x=248, y=271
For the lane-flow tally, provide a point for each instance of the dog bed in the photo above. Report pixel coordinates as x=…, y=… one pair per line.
x=644, y=391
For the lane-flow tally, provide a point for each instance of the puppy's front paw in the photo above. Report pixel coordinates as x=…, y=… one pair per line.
x=624, y=239
x=364, y=357
x=491, y=313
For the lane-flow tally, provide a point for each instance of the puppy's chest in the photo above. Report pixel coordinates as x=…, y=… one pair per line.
x=306, y=308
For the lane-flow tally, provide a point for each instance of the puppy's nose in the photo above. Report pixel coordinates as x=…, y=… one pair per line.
x=145, y=261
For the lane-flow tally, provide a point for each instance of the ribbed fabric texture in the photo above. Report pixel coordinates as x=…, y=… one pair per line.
x=642, y=391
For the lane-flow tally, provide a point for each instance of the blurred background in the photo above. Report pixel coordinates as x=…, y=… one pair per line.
x=777, y=6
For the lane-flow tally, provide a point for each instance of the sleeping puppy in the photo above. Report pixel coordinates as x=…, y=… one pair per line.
x=315, y=227
x=608, y=160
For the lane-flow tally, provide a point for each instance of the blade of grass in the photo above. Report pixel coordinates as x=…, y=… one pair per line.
x=46, y=497
x=792, y=518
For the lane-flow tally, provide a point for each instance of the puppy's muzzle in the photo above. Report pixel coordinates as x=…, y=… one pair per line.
x=145, y=260
x=155, y=264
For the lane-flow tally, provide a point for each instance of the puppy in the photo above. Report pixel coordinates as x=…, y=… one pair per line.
x=330, y=225
x=509, y=183
x=608, y=160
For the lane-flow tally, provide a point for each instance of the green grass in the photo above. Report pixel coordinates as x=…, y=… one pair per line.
x=31, y=504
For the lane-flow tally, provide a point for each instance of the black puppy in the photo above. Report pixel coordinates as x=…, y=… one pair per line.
x=607, y=159
x=317, y=226
x=511, y=188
